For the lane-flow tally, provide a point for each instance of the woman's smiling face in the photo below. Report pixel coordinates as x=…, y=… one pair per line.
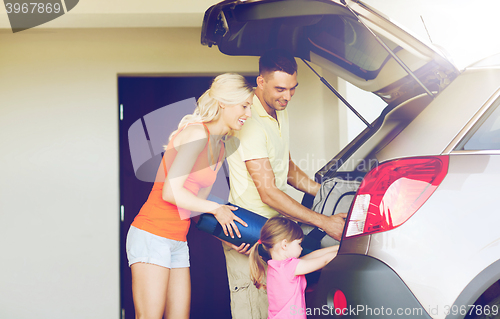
x=236, y=115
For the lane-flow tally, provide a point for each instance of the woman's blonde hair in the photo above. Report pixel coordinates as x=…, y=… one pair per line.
x=274, y=231
x=227, y=88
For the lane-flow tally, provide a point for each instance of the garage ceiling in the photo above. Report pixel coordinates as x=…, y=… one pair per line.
x=127, y=14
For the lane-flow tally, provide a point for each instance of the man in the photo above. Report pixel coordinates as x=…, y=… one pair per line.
x=260, y=167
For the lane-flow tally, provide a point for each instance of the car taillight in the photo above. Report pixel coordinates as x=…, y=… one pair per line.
x=392, y=192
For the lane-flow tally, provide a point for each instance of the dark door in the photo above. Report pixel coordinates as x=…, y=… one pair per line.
x=149, y=110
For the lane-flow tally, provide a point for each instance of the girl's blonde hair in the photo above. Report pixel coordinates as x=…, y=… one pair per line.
x=227, y=88
x=274, y=231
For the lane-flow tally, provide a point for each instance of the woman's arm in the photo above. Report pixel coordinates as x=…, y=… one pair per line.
x=204, y=192
x=189, y=143
x=243, y=248
x=316, y=260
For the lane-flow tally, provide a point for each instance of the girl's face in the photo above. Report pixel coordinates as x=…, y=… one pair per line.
x=294, y=248
x=236, y=115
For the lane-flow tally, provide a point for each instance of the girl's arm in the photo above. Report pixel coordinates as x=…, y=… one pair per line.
x=189, y=143
x=320, y=252
x=316, y=260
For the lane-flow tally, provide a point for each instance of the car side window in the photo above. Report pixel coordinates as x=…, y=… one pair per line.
x=485, y=135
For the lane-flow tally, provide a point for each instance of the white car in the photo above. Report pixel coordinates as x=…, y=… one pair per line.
x=422, y=238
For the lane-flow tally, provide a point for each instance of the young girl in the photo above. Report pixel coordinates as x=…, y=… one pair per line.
x=286, y=283
x=157, y=250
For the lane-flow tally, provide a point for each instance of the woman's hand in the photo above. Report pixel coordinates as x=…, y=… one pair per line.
x=225, y=216
x=242, y=249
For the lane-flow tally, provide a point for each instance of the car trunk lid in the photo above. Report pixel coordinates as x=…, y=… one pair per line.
x=344, y=38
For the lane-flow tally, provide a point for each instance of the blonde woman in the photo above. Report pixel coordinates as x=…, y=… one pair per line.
x=157, y=249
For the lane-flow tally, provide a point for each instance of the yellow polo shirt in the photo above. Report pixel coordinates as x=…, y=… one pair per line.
x=261, y=137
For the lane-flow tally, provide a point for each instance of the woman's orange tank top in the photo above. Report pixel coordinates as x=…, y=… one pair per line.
x=163, y=218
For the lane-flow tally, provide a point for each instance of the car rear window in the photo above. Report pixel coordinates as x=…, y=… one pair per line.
x=350, y=44
x=485, y=135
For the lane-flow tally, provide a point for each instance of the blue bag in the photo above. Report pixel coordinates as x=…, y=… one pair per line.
x=249, y=235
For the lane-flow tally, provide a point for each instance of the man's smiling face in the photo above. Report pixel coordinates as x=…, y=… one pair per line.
x=277, y=90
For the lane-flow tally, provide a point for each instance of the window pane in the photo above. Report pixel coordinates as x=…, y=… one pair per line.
x=349, y=44
x=485, y=135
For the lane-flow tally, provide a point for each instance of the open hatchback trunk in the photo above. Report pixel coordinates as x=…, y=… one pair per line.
x=340, y=38
x=350, y=39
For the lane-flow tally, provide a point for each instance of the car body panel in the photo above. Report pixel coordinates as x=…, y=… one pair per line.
x=481, y=283
x=460, y=258
x=356, y=245
x=371, y=288
x=428, y=134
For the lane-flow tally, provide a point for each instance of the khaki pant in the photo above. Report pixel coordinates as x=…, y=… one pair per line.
x=247, y=302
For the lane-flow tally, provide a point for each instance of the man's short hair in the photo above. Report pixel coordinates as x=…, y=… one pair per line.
x=277, y=60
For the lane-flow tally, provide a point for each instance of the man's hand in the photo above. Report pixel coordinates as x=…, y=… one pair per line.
x=335, y=225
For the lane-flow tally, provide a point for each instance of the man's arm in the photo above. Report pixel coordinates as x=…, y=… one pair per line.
x=299, y=180
x=263, y=176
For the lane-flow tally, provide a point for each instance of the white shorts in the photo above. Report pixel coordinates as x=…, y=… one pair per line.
x=145, y=247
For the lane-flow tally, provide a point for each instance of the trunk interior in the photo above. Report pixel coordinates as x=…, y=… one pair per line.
x=363, y=153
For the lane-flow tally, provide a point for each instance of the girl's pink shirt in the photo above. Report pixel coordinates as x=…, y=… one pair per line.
x=285, y=291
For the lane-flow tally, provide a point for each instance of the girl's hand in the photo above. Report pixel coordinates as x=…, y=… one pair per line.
x=225, y=216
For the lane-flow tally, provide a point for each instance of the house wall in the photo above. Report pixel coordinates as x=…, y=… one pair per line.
x=59, y=173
